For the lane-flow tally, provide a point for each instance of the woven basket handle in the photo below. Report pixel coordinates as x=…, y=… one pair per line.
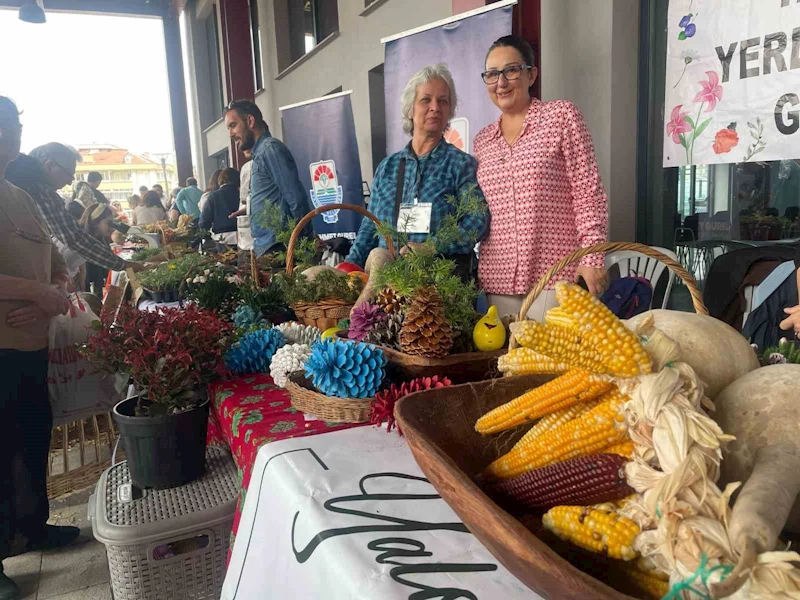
x=675, y=267
x=318, y=211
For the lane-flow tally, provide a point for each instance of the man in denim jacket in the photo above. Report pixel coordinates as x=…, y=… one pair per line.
x=273, y=178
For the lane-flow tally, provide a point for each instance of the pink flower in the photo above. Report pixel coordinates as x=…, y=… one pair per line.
x=678, y=124
x=711, y=92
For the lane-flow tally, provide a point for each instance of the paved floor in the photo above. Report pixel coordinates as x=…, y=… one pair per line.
x=79, y=572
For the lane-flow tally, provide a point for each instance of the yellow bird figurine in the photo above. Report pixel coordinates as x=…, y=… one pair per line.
x=489, y=333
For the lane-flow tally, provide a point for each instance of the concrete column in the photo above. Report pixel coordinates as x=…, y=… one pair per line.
x=177, y=98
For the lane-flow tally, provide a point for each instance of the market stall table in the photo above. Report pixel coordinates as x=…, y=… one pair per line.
x=249, y=412
x=349, y=515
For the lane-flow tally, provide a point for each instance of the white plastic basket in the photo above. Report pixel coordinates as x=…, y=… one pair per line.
x=167, y=544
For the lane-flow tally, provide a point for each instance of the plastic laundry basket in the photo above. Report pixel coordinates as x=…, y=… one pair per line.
x=167, y=544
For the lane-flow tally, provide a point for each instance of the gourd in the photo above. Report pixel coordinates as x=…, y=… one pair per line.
x=716, y=351
x=376, y=259
x=762, y=410
x=311, y=273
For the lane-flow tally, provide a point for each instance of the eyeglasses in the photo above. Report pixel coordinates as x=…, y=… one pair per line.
x=510, y=73
x=66, y=171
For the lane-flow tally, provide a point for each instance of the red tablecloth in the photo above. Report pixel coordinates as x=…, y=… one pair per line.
x=252, y=411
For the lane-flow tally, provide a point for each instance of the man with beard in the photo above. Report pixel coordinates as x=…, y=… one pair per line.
x=273, y=178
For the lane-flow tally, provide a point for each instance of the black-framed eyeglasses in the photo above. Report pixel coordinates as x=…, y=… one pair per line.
x=511, y=73
x=64, y=170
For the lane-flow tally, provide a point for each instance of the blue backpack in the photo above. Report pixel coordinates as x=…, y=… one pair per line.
x=627, y=297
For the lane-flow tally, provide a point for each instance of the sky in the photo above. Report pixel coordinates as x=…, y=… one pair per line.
x=85, y=79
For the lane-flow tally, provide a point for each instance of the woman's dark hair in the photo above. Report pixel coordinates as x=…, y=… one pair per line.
x=93, y=214
x=520, y=44
x=229, y=176
x=152, y=198
x=213, y=181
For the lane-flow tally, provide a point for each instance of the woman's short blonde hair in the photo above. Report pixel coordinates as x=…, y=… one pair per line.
x=422, y=77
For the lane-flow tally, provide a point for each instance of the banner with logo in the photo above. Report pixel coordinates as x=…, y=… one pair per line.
x=460, y=42
x=348, y=515
x=321, y=135
x=733, y=81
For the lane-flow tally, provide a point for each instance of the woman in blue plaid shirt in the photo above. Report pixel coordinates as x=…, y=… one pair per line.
x=434, y=169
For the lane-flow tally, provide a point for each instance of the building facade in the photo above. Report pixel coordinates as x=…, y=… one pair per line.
x=124, y=172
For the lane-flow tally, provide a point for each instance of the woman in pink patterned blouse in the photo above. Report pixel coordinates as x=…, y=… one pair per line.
x=537, y=168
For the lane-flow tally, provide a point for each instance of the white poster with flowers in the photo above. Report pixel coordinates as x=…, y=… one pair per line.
x=733, y=81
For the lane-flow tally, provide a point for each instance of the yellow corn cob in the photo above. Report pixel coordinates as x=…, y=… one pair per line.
x=571, y=388
x=620, y=347
x=623, y=448
x=601, y=427
x=524, y=361
x=558, y=316
x=598, y=529
x=565, y=344
x=653, y=583
x=558, y=418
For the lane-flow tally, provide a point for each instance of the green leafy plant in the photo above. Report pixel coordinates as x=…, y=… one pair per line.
x=268, y=300
x=297, y=288
x=217, y=291
x=172, y=275
x=305, y=250
x=787, y=351
x=146, y=253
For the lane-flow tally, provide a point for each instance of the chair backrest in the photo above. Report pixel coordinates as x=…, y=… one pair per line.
x=636, y=264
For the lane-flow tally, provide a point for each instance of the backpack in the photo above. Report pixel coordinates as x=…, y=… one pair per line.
x=627, y=297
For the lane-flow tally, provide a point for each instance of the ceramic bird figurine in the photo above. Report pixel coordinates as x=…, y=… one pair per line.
x=489, y=333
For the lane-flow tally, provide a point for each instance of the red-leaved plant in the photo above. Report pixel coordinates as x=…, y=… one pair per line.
x=170, y=354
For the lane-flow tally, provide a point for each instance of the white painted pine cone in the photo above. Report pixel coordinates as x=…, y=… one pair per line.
x=287, y=360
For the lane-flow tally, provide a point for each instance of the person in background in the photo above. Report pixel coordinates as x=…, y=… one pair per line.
x=537, y=168
x=82, y=197
x=150, y=211
x=32, y=282
x=143, y=189
x=434, y=170
x=213, y=186
x=188, y=200
x=173, y=197
x=46, y=170
x=159, y=189
x=134, y=201
x=98, y=221
x=217, y=210
x=792, y=322
x=273, y=175
x=94, y=179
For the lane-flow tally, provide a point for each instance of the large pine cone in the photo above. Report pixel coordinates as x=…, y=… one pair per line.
x=426, y=331
x=389, y=300
x=387, y=332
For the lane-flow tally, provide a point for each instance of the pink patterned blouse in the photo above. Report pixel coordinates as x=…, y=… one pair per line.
x=545, y=197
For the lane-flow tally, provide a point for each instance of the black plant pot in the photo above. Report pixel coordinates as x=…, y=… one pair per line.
x=163, y=451
x=164, y=297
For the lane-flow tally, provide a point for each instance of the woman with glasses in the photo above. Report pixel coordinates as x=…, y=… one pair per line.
x=537, y=169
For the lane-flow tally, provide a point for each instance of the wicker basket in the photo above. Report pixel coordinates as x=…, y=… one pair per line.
x=331, y=410
x=675, y=267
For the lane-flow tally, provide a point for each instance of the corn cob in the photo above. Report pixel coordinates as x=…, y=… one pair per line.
x=623, y=449
x=565, y=344
x=558, y=418
x=620, y=347
x=524, y=361
x=580, y=481
x=598, y=529
x=652, y=583
x=601, y=427
x=558, y=316
x=572, y=388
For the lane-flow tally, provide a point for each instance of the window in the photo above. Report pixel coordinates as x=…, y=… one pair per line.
x=703, y=210
x=255, y=30
x=214, y=62
x=220, y=160
x=308, y=23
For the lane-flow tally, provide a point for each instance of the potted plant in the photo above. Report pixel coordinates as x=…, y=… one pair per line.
x=170, y=355
x=164, y=282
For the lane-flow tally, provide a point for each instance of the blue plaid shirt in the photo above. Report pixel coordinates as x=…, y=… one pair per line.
x=445, y=171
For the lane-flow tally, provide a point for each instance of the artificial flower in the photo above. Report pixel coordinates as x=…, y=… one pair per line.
x=678, y=124
x=711, y=92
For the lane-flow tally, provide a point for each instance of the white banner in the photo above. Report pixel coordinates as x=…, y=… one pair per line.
x=733, y=81
x=348, y=515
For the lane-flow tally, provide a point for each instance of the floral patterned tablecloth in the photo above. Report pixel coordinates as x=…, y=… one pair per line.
x=249, y=412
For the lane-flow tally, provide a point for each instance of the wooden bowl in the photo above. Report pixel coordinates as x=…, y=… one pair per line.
x=439, y=427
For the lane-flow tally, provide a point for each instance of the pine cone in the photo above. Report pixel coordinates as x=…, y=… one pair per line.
x=426, y=331
x=387, y=333
x=363, y=319
x=389, y=300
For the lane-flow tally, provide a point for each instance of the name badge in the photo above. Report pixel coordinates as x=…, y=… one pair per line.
x=415, y=218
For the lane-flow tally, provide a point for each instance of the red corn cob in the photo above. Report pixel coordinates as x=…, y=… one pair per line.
x=583, y=481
